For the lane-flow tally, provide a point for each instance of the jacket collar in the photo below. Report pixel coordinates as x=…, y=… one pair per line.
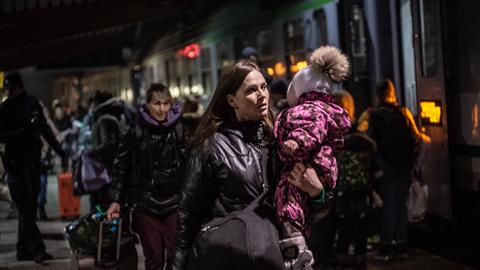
x=249, y=131
x=172, y=117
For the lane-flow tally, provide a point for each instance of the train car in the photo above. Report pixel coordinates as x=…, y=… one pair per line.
x=429, y=48
x=117, y=80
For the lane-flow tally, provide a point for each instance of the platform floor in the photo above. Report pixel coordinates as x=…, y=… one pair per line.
x=52, y=231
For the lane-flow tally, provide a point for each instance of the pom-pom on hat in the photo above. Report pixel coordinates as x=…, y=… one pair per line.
x=328, y=65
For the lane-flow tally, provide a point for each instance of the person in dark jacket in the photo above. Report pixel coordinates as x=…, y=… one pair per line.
x=394, y=130
x=224, y=172
x=147, y=175
x=22, y=124
x=107, y=127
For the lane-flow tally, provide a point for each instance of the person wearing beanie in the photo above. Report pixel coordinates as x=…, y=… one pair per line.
x=250, y=54
x=308, y=133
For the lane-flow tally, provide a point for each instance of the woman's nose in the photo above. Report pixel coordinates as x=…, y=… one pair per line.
x=263, y=93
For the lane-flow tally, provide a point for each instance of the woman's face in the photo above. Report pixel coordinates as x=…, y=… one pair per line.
x=59, y=113
x=159, y=106
x=250, y=101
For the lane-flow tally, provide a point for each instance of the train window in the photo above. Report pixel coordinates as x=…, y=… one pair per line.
x=294, y=35
x=265, y=43
x=207, y=82
x=222, y=54
x=191, y=65
x=167, y=71
x=358, y=45
x=241, y=41
x=429, y=37
x=205, y=58
x=294, y=45
x=321, y=26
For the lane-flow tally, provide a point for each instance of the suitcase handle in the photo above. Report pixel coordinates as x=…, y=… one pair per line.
x=100, y=236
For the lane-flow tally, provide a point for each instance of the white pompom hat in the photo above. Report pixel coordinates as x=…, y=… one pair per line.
x=328, y=66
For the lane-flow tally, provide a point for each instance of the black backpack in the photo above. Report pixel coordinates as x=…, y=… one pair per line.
x=397, y=141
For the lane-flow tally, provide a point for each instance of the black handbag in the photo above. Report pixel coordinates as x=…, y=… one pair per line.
x=244, y=239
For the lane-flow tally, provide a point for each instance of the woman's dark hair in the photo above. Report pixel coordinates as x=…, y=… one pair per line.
x=157, y=88
x=219, y=111
x=384, y=89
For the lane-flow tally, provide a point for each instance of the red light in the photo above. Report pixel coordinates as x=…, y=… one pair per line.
x=190, y=51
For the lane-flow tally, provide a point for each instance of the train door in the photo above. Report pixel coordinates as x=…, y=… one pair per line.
x=431, y=98
x=463, y=95
x=354, y=43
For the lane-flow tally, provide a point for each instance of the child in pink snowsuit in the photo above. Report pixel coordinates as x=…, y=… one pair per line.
x=309, y=132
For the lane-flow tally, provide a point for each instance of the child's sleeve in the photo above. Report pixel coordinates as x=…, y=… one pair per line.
x=307, y=130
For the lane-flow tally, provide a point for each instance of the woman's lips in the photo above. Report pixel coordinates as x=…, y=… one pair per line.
x=263, y=106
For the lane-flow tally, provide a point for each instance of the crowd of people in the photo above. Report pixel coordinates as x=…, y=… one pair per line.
x=197, y=183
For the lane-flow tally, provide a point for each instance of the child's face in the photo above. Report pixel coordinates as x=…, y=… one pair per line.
x=250, y=101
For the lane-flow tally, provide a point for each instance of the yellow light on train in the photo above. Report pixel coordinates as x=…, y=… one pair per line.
x=270, y=71
x=2, y=75
x=280, y=69
x=431, y=112
x=294, y=68
x=301, y=65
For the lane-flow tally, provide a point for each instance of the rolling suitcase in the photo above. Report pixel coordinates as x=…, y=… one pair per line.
x=69, y=205
x=100, y=244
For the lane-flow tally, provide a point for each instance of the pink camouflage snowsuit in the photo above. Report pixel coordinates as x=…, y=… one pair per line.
x=317, y=125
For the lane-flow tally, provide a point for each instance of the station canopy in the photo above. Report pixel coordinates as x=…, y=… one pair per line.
x=70, y=33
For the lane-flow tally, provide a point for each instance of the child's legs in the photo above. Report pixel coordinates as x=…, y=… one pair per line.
x=290, y=207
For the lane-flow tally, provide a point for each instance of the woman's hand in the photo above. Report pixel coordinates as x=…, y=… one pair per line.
x=306, y=179
x=113, y=211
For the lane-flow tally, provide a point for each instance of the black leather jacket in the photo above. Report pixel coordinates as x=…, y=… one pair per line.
x=147, y=169
x=222, y=175
x=22, y=122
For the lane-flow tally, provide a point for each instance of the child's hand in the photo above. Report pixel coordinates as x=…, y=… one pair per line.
x=306, y=179
x=289, y=147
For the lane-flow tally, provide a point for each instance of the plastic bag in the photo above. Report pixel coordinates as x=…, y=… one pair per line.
x=5, y=193
x=417, y=202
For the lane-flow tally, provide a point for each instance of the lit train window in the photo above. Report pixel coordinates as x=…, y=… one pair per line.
x=265, y=43
x=429, y=22
x=294, y=46
x=358, y=41
x=321, y=26
x=222, y=53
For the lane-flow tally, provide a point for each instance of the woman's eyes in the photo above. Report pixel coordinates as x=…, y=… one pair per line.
x=254, y=89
